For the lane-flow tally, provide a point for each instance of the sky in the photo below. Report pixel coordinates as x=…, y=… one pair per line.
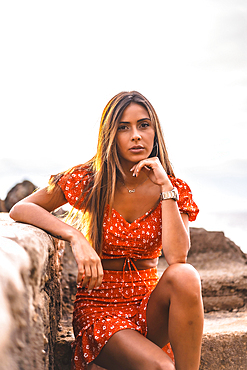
x=61, y=62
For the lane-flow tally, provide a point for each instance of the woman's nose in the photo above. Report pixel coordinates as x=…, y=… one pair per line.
x=135, y=135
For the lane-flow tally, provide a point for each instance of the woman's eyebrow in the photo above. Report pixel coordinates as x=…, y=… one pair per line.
x=139, y=120
x=143, y=119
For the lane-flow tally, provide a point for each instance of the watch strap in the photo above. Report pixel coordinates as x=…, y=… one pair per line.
x=172, y=194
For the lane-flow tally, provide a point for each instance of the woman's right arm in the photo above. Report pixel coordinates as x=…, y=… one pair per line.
x=35, y=210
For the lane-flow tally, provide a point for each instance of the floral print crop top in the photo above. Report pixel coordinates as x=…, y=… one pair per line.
x=140, y=239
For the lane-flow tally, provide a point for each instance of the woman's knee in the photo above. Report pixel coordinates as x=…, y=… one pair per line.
x=183, y=278
x=163, y=365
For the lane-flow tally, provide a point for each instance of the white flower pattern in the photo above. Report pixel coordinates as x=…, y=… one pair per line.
x=121, y=301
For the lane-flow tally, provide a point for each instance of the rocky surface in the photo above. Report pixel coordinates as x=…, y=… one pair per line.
x=30, y=296
x=224, y=343
x=31, y=305
x=224, y=351
x=223, y=270
x=222, y=267
x=18, y=192
x=215, y=246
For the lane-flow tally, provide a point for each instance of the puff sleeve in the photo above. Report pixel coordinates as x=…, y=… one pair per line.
x=75, y=184
x=186, y=203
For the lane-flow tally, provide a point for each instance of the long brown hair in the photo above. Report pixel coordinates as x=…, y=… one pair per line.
x=105, y=165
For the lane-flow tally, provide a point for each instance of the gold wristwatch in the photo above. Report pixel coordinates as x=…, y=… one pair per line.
x=172, y=194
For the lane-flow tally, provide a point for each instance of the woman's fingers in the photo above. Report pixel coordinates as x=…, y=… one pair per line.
x=153, y=169
x=80, y=274
x=100, y=275
x=87, y=277
x=90, y=270
x=148, y=164
x=92, y=278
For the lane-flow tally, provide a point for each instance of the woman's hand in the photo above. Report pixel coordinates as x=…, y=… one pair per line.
x=154, y=170
x=35, y=210
x=90, y=270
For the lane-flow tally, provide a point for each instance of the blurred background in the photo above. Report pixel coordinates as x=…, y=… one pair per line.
x=61, y=62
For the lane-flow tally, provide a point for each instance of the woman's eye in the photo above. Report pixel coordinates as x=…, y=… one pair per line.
x=122, y=127
x=145, y=124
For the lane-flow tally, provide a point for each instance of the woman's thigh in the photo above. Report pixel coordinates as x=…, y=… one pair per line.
x=129, y=350
x=179, y=285
x=157, y=313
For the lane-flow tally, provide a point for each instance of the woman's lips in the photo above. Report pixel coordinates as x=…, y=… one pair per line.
x=136, y=149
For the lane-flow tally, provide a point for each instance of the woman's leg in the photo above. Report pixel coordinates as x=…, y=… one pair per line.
x=129, y=350
x=175, y=314
x=93, y=366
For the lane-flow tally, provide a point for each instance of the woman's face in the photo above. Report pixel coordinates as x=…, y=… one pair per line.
x=135, y=135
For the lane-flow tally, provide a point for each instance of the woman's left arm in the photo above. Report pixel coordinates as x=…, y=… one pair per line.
x=175, y=232
x=175, y=226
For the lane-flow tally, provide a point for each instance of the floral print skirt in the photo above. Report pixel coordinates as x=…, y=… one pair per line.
x=119, y=303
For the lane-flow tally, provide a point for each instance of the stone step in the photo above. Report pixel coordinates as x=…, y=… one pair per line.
x=224, y=285
x=64, y=340
x=224, y=288
x=224, y=345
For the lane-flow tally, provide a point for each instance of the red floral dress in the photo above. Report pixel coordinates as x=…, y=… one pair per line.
x=121, y=300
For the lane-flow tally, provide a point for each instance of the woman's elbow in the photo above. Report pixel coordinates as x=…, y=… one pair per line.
x=176, y=259
x=15, y=212
x=12, y=213
x=178, y=255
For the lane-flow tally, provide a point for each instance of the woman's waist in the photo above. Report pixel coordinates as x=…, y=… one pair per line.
x=118, y=264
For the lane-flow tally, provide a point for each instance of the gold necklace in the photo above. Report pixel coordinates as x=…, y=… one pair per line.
x=132, y=190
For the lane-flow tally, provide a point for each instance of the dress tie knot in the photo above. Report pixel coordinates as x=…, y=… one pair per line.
x=128, y=261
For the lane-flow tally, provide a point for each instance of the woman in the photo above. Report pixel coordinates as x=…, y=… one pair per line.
x=131, y=204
